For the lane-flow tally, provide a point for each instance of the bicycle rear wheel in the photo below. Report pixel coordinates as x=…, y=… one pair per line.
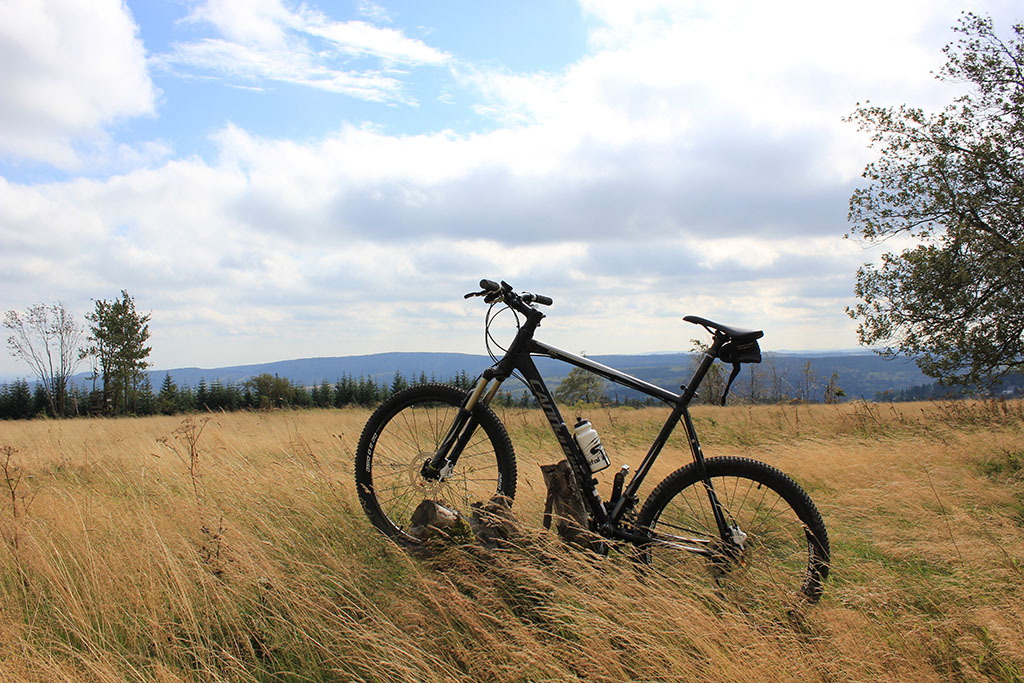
x=407, y=430
x=779, y=548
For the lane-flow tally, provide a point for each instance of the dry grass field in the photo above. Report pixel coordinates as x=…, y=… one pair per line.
x=232, y=547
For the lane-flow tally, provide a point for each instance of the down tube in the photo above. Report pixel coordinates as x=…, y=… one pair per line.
x=528, y=368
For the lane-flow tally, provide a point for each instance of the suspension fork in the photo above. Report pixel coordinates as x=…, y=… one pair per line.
x=443, y=461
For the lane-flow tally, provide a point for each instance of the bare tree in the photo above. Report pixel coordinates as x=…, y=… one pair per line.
x=47, y=338
x=775, y=394
x=833, y=392
x=809, y=381
x=754, y=377
x=713, y=385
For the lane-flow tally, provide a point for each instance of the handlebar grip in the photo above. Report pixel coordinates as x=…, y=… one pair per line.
x=489, y=285
x=543, y=300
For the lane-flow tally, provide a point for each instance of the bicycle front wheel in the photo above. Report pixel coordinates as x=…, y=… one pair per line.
x=777, y=546
x=404, y=432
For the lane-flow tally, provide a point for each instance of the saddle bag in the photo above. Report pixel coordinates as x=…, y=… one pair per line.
x=736, y=352
x=733, y=352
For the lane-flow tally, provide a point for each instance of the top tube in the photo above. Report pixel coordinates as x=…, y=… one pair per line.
x=604, y=371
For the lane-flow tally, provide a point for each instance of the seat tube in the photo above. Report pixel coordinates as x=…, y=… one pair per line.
x=698, y=457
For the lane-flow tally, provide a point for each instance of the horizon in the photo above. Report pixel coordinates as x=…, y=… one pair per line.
x=310, y=180
x=822, y=353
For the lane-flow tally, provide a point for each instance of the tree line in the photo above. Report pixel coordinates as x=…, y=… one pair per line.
x=20, y=400
x=53, y=343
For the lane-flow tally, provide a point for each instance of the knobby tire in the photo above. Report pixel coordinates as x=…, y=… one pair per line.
x=405, y=431
x=786, y=552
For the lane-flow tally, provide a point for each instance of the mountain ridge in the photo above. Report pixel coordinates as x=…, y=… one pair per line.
x=782, y=374
x=859, y=374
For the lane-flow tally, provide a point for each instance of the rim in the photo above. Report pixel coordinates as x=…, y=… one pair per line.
x=775, y=555
x=410, y=436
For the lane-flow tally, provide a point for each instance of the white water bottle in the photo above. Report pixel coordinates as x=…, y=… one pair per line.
x=590, y=443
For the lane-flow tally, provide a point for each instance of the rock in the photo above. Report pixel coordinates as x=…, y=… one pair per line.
x=564, y=505
x=430, y=519
x=493, y=521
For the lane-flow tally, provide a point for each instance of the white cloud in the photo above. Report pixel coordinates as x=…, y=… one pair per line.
x=360, y=39
x=689, y=163
x=263, y=40
x=374, y=12
x=361, y=242
x=247, y=22
x=70, y=69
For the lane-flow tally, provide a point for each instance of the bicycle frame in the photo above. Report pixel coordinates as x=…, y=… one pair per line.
x=519, y=358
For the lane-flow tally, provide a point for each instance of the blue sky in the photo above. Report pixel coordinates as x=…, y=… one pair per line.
x=273, y=179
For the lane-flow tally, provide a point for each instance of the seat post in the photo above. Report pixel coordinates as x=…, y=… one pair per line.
x=690, y=390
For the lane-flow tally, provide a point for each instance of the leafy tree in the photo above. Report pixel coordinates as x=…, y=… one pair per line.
x=300, y=397
x=344, y=392
x=398, y=383
x=40, y=400
x=167, y=399
x=202, y=394
x=47, y=338
x=325, y=395
x=118, y=335
x=144, y=402
x=367, y=392
x=186, y=399
x=223, y=396
x=17, y=401
x=580, y=386
x=463, y=381
x=952, y=182
x=271, y=391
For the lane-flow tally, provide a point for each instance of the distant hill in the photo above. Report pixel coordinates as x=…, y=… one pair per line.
x=860, y=375
x=380, y=367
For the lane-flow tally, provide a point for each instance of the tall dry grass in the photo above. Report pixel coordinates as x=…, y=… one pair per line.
x=231, y=547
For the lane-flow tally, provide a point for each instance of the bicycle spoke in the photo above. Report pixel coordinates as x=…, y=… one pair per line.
x=767, y=554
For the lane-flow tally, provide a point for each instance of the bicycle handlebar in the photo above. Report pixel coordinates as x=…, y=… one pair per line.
x=494, y=292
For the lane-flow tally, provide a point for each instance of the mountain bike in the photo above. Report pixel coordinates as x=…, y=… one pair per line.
x=747, y=523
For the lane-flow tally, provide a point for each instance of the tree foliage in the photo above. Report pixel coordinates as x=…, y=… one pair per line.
x=47, y=338
x=117, y=336
x=580, y=386
x=953, y=183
